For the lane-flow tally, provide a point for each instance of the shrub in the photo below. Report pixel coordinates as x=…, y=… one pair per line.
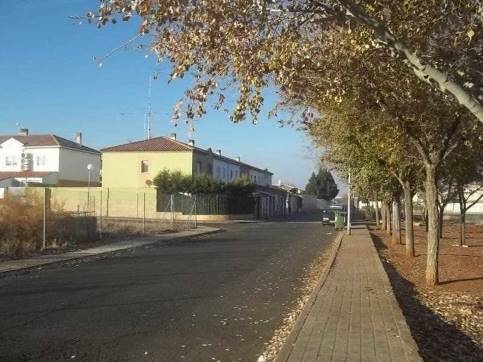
x=169, y=182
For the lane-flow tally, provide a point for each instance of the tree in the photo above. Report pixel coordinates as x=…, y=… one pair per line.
x=255, y=42
x=432, y=123
x=322, y=185
x=466, y=168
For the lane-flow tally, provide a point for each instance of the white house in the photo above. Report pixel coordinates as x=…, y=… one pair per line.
x=47, y=159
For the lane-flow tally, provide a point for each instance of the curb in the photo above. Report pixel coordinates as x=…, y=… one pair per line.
x=287, y=347
x=82, y=254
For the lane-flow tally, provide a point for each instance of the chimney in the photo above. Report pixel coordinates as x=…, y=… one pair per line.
x=191, y=143
x=24, y=132
x=78, y=138
x=238, y=159
x=173, y=136
x=218, y=152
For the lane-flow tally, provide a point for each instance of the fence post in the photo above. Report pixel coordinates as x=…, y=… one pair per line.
x=144, y=212
x=196, y=211
x=100, y=217
x=171, y=206
x=44, y=226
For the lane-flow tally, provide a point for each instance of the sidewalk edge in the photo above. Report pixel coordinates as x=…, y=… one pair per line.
x=287, y=347
x=171, y=240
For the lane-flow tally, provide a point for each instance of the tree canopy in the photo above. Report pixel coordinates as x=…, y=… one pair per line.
x=322, y=185
x=250, y=44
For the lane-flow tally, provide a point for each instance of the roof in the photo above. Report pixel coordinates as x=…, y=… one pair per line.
x=158, y=144
x=152, y=144
x=22, y=174
x=43, y=140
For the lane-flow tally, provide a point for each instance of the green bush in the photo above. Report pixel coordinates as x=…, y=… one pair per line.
x=169, y=182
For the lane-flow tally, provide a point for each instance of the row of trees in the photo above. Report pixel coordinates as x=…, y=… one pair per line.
x=391, y=89
x=170, y=182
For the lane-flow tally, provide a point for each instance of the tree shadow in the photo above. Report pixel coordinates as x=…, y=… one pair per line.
x=460, y=280
x=437, y=339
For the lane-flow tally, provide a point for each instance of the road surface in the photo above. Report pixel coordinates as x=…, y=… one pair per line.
x=213, y=298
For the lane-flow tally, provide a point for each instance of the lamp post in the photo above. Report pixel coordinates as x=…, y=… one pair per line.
x=89, y=169
x=349, y=206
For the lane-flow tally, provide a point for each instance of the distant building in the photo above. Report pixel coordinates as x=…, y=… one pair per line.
x=46, y=159
x=136, y=164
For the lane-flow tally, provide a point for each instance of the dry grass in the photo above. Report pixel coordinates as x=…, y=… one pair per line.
x=21, y=226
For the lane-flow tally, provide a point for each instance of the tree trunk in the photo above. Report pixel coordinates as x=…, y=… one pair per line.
x=462, y=202
x=426, y=219
x=462, y=228
x=408, y=220
x=376, y=208
x=440, y=220
x=388, y=218
x=383, y=216
x=396, y=221
x=433, y=235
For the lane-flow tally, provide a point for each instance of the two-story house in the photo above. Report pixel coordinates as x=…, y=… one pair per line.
x=135, y=164
x=48, y=160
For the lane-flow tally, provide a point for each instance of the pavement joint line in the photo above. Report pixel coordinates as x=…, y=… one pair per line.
x=287, y=347
x=23, y=265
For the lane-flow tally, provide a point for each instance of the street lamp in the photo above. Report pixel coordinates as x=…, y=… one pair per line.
x=349, y=206
x=89, y=169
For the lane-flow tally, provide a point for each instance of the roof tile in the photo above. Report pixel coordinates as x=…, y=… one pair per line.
x=153, y=144
x=43, y=140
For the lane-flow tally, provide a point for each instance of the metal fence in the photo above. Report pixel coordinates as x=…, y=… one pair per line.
x=116, y=210
x=216, y=204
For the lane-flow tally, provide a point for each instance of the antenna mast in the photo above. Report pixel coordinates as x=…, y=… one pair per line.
x=147, y=121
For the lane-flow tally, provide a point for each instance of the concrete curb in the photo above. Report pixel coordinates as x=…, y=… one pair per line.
x=22, y=265
x=286, y=350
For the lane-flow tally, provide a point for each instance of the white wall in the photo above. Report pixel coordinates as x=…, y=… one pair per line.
x=454, y=208
x=73, y=165
x=260, y=178
x=48, y=157
x=45, y=159
x=225, y=171
x=11, y=148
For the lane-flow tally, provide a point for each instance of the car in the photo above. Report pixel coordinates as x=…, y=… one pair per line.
x=328, y=216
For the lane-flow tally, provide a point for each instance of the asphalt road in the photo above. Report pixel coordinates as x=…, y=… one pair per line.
x=218, y=297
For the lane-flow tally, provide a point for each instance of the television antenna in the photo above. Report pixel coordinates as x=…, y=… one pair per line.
x=148, y=114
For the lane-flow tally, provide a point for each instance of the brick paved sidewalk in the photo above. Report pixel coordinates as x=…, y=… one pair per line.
x=356, y=316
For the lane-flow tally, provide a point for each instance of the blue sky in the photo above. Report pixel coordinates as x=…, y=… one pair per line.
x=49, y=83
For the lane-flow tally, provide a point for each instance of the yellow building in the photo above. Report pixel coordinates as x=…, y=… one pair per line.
x=136, y=164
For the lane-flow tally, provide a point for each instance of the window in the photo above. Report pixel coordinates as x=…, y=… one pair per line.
x=41, y=160
x=144, y=166
x=218, y=172
x=231, y=174
x=224, y=173
x=198, y=167
x=10, y=161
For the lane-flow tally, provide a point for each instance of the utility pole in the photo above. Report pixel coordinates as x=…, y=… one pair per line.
x=349, y=206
